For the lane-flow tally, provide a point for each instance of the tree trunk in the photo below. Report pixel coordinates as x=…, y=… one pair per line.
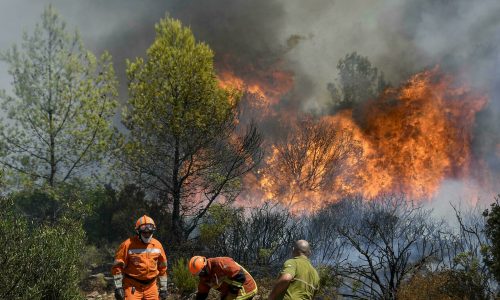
x=176, y=195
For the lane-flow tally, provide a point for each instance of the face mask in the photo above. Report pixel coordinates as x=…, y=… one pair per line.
x=146, y=239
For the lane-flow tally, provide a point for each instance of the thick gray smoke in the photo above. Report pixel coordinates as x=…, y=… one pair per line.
x=399, y=37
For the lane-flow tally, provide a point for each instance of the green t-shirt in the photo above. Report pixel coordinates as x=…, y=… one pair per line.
x=305, y=280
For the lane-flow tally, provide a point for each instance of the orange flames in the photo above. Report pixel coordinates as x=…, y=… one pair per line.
x=407, y=141
x=414, y=137
x=421, y=133
x=262, y=92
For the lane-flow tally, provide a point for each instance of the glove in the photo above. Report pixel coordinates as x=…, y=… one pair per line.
x=163, y=287
x=234, y=289
x=119, y=294
x=163, y=295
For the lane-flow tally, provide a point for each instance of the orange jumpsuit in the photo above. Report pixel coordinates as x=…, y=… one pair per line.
x=140, y=264
x=223, y=272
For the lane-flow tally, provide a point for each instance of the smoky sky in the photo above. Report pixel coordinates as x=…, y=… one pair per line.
x=307, y=38
x=399, y=37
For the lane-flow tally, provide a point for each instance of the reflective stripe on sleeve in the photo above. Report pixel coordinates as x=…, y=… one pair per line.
x=244, y=296
x=233, y=282
x=147, y=250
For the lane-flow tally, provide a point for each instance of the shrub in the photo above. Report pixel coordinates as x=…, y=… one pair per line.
x=183, y=280
x=328, y=282
x=262, y=235
x=39, y=261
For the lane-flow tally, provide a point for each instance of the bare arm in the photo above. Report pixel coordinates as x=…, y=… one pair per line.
x=280, y=286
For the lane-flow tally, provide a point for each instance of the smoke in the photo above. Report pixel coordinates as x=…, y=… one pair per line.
x=306, y=38
x=455, y=195
x=400, y=37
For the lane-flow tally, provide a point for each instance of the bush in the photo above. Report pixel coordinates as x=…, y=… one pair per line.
x=183, y=280
x=263, y=236
x=48, y=204
x=329, y=282
x=114, y=214
x=492, y=252
x=39, y=261
x=463, y=282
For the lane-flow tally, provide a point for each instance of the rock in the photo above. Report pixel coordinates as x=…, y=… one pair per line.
x=93, y=295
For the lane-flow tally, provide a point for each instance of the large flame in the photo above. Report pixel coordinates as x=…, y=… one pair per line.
x=421, y=134
x=263, y=90
x=407, y=141
x=412, y=138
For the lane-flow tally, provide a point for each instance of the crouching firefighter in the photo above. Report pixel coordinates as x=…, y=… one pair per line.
x=139, y=261
x=224, y=275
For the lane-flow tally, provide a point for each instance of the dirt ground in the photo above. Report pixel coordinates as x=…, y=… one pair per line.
x=99, y=287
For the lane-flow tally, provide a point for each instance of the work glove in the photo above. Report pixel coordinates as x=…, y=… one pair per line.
x=234, y=289
x=163, y=287
x=163, y=295
x=119, y=294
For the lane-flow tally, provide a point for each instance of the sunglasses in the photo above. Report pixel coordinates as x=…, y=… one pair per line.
x=147, y=227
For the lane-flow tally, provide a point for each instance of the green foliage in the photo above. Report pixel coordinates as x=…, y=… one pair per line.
x=464, y=282
x=183, y=280
x=266, y=253
x=215, y=224
x=358, y=81
x=467, y=280
x=93, y=257
x=181, y=145
x=58, y=124
x=328, y=282
x=175, y=90
x=41, y=261
x=114, y=214
x=49, y=204
x=492, y=253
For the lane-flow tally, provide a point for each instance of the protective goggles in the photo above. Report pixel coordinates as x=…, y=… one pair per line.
x=147, y=227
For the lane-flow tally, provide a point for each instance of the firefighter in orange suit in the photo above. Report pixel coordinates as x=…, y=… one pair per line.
x=138, y=262
x=224, y=275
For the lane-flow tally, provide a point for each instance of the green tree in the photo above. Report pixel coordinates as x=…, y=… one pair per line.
x=357, y=81
x=114, y=214
x=182, y=141
x=58, y=123
x=217, y=225
x=492, y=252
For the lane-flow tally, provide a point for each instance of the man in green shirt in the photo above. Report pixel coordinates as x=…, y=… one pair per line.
x=298, y=280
